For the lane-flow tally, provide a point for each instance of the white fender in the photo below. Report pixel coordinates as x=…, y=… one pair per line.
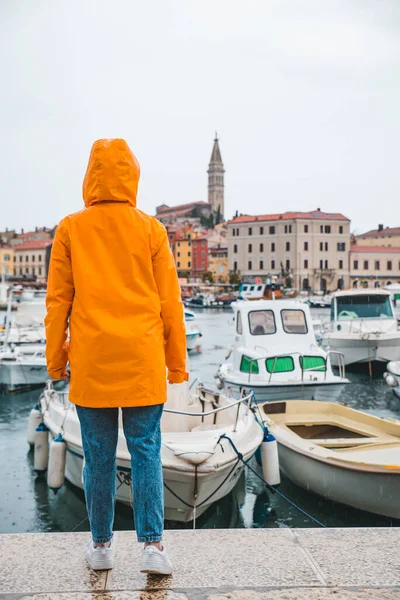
x=35, y=418
x=41, y=449
x=57, y=458
x=270, y=459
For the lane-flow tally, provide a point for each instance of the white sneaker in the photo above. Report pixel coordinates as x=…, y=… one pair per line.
x=100, y=558
x=155, y=561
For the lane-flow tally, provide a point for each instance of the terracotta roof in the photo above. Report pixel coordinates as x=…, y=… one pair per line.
x=33, y=245
x=357, y=248
x=291, y=216
x=180, y=208
x=6, y=248
x=381, y=232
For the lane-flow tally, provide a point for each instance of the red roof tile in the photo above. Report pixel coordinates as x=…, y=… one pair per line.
x=358, y=249
x=291, y=216
x=380, y=232
x=33, y=245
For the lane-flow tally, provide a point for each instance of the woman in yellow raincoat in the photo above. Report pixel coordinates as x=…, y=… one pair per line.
x=113, y=284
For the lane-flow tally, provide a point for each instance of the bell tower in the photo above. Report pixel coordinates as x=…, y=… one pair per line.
x=216, y=181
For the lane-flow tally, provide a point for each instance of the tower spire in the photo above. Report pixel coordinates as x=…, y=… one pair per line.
x=216, y=180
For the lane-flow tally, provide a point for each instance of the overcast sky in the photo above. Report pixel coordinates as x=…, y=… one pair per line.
x=304, y=94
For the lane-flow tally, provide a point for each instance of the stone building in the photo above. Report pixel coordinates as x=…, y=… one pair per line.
x=32, y=258
x=6, y=260
x=383, y=236
x=309, y=248
x=218, y=263
x=374, y=266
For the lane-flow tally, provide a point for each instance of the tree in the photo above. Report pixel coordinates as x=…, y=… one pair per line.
x=218, y=216
x=234, y=278
x=207, y=276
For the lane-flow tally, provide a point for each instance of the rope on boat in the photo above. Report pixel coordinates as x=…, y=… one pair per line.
x=270, y=487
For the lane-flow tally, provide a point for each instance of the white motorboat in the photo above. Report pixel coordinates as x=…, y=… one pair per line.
x=198, y=466
x=276, y=354
x=339, y=453
x=392, y=376
x=22, y=366
x=363, y=327
x=189, y=315
x=319, y=301
x=193, y=335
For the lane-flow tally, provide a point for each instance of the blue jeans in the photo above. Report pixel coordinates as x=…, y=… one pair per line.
x=99, y=428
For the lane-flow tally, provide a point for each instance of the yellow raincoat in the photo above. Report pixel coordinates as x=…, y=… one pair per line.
x=112, y=281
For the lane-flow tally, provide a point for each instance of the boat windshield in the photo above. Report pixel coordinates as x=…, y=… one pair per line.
x=364, y=307
x=262, y=322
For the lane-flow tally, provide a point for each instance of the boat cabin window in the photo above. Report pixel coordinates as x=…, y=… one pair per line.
x=279, y=364
x=313, y=363
x=239, y=328
x=244, y=288
x=245, y=365
x=262, y=322
x=364, y=307
x=259, y=288
x=294, y=321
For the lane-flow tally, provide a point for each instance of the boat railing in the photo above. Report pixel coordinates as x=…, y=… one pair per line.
x=248, y=399
x=341, y=363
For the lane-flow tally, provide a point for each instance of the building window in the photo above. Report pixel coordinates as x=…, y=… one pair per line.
x=326, y=264
x=377, y=265
x=261, y=230
x=273, y=247
x=189, y=254
x=40, y=258
x=33, y=270
x=321, y=264
x=27, y=270
x=234, y=232
x=326, y=246
x=287, y=246
x=327, y=228
x=203, y=254
x=15, y=258
x=20, y=259
x=237, y=231
x=321, y=229
x=6, y=257
x=389, y=265
x=202, y=266
x=235, y=248
x=15, y=271
x=272, y=229
x=305, y=246
x=340, y=264
x=178, y=254
x=272, y=264
x=249, y=265
x=40, y=270
x=33, y=258
x=250, y=231
x=234, y=266
x=355, y=264
x=341, y=247
x=178, y=264
x=189, y=264
x=290, y=229
x=286, y=228
x=261, y=264
x=179, y=244
x=365, y=265
x=305, y=228
x=20, y=270
x=288, y=264
x=321, y=246
x=261, y=247
x=306, y=264
x=340, y=228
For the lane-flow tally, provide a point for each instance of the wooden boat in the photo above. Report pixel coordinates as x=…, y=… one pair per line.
x=339, y=453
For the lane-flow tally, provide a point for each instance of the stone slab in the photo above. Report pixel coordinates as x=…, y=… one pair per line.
x=352, y=556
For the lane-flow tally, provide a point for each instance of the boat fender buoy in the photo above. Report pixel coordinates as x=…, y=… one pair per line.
x=391, y=380
x=41, y=456
x=57, y=458
x=219, y=382
x=34, y=419
x=270, y=459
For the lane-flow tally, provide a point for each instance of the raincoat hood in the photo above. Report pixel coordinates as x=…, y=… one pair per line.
x=112, y=173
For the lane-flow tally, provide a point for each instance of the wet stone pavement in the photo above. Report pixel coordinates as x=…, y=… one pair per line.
x=270, y=564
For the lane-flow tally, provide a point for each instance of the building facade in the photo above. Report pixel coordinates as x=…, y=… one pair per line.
x=374, y=266
x=388, y=237
x=216, y=173
x=32, y=258
x=6, y=260
x=311, y=249
x=200, y=256
x=191, y=211
x=218, y=263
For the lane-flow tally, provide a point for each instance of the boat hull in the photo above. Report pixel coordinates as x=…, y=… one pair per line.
x=355, y=350
x=192, y=341
x=14, y=375
x=275, y=392
x=182, y=484
x=376, y=493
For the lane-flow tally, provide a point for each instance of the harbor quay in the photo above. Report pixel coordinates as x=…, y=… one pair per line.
x=241, y=564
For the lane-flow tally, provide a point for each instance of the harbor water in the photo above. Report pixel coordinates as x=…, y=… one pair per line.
x=28, y=505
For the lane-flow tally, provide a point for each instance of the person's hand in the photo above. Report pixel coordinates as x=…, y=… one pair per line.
x=65, y=376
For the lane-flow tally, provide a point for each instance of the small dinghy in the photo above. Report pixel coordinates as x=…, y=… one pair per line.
x=199, y=467
x=339, y=453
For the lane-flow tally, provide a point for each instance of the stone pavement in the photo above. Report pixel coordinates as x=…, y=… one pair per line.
x=234, y=564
